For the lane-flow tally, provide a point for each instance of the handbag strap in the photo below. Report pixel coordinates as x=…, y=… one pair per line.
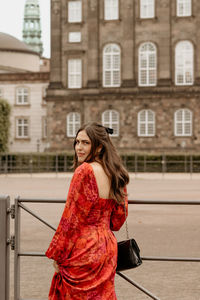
x=127, y=234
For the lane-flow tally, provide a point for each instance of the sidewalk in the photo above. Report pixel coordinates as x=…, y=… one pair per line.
x=149, y=176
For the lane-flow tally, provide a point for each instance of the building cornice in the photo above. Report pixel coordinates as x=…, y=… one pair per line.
x=33, y=76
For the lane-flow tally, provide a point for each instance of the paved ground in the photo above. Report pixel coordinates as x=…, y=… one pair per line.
x=159, y=230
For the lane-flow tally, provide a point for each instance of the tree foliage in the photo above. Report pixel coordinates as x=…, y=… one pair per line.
x=4, y=124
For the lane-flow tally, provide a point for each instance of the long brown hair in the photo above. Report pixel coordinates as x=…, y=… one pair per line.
x=107, y=156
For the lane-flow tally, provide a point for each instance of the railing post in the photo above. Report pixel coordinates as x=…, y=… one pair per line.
x=4, y=247
x=17, y=250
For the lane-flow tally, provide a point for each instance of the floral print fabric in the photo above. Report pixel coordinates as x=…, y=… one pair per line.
x=84, y=246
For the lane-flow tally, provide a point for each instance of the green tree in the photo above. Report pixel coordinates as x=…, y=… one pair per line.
x=4, y=124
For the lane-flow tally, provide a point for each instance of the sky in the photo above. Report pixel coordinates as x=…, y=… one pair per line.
x=11, y=20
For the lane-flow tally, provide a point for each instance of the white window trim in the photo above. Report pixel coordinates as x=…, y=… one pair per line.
x=75, y=86
x=27, y=93
x=185, y=13
x=74, y=37
x=73, y=123
x=16, y=127
x=70, y=17
x=183, y=122
x=111, y=69
x=139, y=65
x=149, y=16
x=111, y=122
x=176, y=67
x=111, y=12
x=146, y=123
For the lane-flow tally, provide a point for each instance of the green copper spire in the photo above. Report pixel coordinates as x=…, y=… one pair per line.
x=32, y=27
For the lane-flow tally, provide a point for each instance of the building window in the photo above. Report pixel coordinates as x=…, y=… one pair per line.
x=111, y=9
x=111, y=66
x=74, y=73
x=73, y=123
x=184, y=8
x=22, y=128
x=74, y=37
x=74, y=11
x=110, y=118
x=44, y=127
x=183, y=122
x=146, y=123
x=147, y=65
x=44, y=94
x=184, y=56
x=22, y=96
x=147, y=9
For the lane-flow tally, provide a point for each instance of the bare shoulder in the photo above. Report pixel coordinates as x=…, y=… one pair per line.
x=97, y=167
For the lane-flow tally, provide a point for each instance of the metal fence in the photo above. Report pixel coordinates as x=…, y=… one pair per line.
x=61, y=162
x=15, y=241
x=4, y=247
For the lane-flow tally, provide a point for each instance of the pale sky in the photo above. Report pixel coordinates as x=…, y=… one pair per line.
x=11, y=20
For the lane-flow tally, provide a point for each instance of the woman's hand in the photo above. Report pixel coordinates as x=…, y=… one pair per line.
x=56, y=267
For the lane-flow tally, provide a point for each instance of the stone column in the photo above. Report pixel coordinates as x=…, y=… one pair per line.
x=93, y=44
x=56, y=46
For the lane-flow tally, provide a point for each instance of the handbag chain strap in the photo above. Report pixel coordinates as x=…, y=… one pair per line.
x=127, y=234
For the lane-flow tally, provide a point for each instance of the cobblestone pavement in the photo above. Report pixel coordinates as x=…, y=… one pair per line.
x=160, y=231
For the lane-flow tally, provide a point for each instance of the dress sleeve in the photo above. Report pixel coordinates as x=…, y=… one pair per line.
x=81, y=197
x=118, y=215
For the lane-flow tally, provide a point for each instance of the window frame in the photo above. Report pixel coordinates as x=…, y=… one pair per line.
x=147, y=69
x=111, y=122
x=146, y=123
x=75, y=124
x=111, y=70
x=74, y=86
x=184, y=67
x=80, y=17
x=183, y=122
x=184, y=14
x=108, y=9
x=74, y=41
x=24, y=137
x=22, y=95
x=149, y=16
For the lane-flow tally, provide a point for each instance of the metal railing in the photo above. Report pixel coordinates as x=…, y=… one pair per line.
x=19, y=204
x=49, y=162
x=4, y=247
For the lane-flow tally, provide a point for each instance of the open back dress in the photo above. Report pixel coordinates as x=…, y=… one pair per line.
x=84, y=245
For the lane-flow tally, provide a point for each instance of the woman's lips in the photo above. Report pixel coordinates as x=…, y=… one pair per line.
x=80, y=154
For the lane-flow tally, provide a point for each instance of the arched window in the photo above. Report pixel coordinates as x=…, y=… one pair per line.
x=111, y=66
x=184, y=56
x=147, y=65
x=146, y=123
x=147, y=9
x=110, y=118
x=111, y=9
x=73, y=123
x=183, y=122
x=184, y=8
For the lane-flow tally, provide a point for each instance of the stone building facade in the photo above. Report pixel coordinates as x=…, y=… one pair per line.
x=132, y=65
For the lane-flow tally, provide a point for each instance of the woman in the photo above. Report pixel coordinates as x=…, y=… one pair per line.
x=84, y=249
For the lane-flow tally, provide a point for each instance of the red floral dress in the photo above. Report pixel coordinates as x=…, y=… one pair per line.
x=84, y=246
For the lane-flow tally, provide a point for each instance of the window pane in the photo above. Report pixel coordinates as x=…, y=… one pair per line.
x=111, y=9
x=74, y=11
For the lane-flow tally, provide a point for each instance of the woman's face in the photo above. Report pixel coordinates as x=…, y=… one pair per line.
x=83, y=146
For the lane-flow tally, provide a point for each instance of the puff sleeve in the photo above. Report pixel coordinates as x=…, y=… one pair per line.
x=80, y=199
x=118, y=215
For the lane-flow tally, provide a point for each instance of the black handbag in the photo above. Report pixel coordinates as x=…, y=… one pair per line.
x=128, y=252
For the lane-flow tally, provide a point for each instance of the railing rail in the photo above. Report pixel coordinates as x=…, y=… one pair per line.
x=62, y=162
x=19, y=205
x=4, y=247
